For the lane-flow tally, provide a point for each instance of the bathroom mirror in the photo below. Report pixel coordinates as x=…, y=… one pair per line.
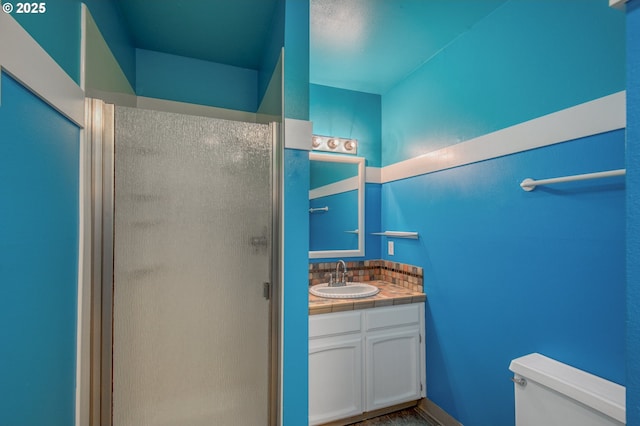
x=336, y=206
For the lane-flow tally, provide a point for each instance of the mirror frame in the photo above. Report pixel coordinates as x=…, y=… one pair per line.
x=359, y=161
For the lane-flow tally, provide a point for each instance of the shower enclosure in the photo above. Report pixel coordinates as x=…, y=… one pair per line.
x=187, y=318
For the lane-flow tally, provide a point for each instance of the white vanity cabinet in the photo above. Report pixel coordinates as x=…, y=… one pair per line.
x=365, y=360
x=335, y=366
x=393, y=355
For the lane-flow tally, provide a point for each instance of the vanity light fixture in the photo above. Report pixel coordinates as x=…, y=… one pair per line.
x=334, y=144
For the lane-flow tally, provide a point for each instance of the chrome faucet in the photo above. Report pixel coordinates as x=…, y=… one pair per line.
x=337, y=282
x=344, y=273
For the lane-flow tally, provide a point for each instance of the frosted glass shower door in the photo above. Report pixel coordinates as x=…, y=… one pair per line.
x=191, y=253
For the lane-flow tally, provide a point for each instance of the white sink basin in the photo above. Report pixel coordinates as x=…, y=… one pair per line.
x=349, y=291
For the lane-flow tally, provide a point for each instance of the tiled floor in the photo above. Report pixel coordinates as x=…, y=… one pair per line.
x=408, y=417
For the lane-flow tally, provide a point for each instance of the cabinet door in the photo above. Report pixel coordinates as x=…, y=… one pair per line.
x=392, y=367
x=335, y=378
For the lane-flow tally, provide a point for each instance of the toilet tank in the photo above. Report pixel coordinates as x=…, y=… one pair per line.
x=550, y=393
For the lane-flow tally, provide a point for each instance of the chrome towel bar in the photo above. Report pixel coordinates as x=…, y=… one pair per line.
x=319, y=209
x=529, y=184
x=397, y=234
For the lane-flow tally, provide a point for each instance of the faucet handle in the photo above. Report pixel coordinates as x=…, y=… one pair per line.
x=330, y=278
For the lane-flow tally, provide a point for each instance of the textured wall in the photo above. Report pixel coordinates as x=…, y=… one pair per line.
x=526, y=59
x=296, y=59
x=348, y=114
x=633, y=213
x=113, y=29
x=164, y=76
x=103, y=73
x=508, y=272
x=57, y=30
x=272, y=51
x=295, y=355
x=296, y=300
x=38, y=260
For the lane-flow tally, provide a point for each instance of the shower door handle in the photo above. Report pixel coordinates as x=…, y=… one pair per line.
x=266, y=290
x=259, y=242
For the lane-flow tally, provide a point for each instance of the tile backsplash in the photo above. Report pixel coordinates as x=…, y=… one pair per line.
x=400, y=274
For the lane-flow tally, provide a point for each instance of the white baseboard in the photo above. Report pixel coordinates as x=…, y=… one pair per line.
x=434, y=411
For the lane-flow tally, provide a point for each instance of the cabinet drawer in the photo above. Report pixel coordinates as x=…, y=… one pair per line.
x=392, y=316
x=334, y=324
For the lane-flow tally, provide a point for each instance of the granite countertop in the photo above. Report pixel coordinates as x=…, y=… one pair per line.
x=389, y=294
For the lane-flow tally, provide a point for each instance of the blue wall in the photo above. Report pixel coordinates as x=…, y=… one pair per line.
x=272, y=49
x=633, y=213
x=373, y=221
x=112, y=27
x=295, y=396
x=348, y=114
x=526, y=59
x=159, y=75
x=509, y=272
x=164, y=76
x=296, y=298
x=296, y=59
x=38, y=260
x=57, y=30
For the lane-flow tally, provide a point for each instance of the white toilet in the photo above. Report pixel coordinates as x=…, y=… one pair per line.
x=550, y=393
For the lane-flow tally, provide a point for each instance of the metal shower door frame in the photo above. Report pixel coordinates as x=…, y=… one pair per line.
x=100, y=147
